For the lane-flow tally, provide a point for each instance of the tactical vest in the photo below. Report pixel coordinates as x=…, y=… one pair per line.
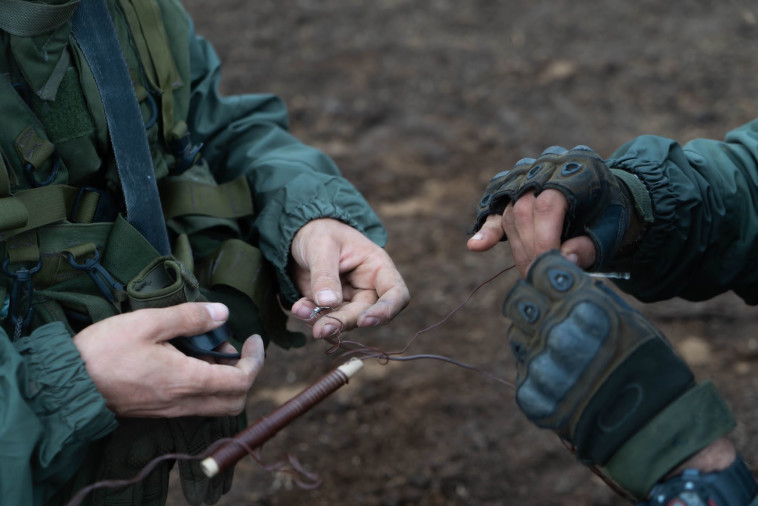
x=67, y=252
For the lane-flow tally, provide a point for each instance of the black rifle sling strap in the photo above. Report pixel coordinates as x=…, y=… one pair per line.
x=96, y=36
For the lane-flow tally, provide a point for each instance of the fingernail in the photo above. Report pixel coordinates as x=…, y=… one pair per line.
x=370, y=321
x=477, y=237
x=327, y=330
x=302, y=312
x=326, y=298
x=218, y=312
x=573, y=258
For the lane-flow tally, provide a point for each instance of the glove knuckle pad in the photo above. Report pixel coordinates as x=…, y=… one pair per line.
x=570, y=347
x=525, y=306
x=556, y=277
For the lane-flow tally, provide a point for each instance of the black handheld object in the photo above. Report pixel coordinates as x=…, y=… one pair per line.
x=204, y=345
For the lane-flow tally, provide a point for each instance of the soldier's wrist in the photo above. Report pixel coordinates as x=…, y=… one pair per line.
x=717, y=456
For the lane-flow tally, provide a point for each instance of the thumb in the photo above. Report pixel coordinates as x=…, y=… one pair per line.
x=580, y=250
x=189, y=319
x=323, y=262
x=489, y=235
x=252, y=355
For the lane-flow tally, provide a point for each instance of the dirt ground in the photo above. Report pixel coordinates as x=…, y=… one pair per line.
x=420, y=103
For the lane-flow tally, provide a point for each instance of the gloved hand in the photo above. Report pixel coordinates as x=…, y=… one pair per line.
x=592, y=369
x=192, y=435
x=610, y=207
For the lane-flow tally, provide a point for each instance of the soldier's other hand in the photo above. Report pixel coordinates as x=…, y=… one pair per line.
x=567, y=200
x=533, y=226
x=140, y=374
x=336, y=266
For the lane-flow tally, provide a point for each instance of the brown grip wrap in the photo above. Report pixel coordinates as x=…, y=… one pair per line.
x=266, y=427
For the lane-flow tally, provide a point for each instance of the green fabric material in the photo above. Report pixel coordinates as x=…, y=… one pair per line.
x=27, y=19
x=13, y=214
x=39, y=57
x=237, y=268
x=704, y=237
x=193, y=435
x=33, y=149
x=66, y=118
x=685, y=427
x=146, y=23
x=162, y=283
x=51, y=413
x=44, y=206
x=5, y=179
x=182, y=197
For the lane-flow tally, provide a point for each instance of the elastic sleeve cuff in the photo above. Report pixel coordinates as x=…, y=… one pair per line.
x=60, y=390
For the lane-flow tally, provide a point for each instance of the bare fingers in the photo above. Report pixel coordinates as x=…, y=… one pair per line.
x=489, y=235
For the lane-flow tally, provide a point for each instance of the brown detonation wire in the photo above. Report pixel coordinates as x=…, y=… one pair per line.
x=363, y=352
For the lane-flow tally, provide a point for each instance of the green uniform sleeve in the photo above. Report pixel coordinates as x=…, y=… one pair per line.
x=50, y=412
x=292, y=183
x=704, y=238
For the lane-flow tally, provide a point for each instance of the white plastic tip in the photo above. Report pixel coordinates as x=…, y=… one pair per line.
x=209, y=467
x=351, y=367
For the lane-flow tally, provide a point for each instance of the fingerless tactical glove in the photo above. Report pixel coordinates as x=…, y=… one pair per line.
x=611, y=207
x=593, y=370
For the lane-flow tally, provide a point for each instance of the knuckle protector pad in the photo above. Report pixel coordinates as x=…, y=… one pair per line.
x=589, y=366
x=596, y=203
x=571, y=349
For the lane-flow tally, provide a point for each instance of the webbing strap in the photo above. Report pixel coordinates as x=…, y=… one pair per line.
x=27, y=19
x=5, y=179
x=13, y=214
x=183, y=197
x=24, y=248
x=144, y=17
x=37, y=207
x=239, y=265
x=94, y=31
x=686, y=426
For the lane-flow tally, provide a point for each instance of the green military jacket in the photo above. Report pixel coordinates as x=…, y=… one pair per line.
x=704, y=238
x=50, y=411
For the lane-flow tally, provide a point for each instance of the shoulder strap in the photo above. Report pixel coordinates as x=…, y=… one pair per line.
x=94, y=31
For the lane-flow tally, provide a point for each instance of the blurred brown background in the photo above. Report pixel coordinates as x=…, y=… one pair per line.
x=420, y=103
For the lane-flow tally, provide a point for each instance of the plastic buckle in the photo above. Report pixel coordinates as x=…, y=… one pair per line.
x=22, y=288
x=101, y=277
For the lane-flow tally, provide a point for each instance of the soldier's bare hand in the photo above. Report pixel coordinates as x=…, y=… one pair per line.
x=338, y=267
x=141, y=374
